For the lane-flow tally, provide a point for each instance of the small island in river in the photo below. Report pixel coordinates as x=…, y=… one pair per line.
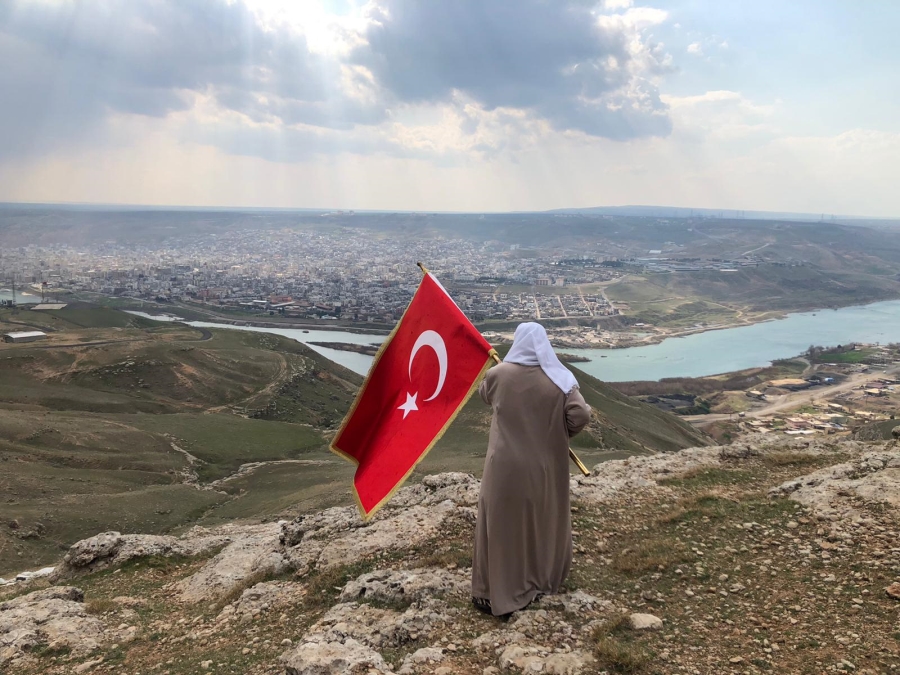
x=369, y=350
x=573, y=358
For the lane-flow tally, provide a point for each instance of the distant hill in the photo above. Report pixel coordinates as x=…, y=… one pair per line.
x=689, y=212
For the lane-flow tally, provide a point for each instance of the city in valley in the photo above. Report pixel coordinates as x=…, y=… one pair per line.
x=594, y=280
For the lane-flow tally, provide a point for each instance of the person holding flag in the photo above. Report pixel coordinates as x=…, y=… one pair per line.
x=523, y=532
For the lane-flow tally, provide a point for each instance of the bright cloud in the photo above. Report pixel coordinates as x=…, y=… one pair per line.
x=384, y=103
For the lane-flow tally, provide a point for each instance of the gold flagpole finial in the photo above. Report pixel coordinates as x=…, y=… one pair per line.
x=422, y=267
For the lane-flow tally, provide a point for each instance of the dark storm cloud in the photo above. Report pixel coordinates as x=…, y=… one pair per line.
x=68, y=65
x=551, y=57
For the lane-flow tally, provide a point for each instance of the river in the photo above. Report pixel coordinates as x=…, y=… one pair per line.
x=22, y=298
x=358, y=363
x=710, y=353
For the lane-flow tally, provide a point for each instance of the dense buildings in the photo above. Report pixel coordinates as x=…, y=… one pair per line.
x=350, y=274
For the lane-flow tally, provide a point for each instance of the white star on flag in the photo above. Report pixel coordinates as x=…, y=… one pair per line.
x=410, y=404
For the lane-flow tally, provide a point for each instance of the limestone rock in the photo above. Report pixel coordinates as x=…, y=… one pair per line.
x=260, y=599
x=537, y=659
x=615, y=477
x=35, y=574
x=644, y=622
x=332, y=658
x=256, y=550
x=111, y=549
x=407, y=585
x=54, y=617
x=526, y=659
x=87, y=665
x=368, y=625
x=568, y=663
x=449, y=489
x=101, y=546
x=426, y=656
x=337, y=536
x=893, y=591
x=579, y=602
x=873, y=477
x=400, y=529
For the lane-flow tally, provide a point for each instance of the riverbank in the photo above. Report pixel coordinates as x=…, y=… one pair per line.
x=369, y=350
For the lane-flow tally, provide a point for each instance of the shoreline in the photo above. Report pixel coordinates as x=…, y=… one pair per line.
x=617, y=339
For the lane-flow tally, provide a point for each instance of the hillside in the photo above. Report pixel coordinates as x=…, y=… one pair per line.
x=771, y=555
x=118, y=422
x=128, y=422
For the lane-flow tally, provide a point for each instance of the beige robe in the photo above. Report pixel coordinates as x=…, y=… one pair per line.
x=523, y=535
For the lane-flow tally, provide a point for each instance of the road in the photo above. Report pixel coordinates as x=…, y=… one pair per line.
x=580, y=293
x=797, y=399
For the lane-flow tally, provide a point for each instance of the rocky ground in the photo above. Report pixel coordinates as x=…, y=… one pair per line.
x=767, y=556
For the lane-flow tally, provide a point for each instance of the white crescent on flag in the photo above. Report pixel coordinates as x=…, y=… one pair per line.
x=430, y=338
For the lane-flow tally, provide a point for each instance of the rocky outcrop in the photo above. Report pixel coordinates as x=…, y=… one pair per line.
x=326, y=539
x=360, y=631
x=355, y=633
x=416, y=514
x=644, y=473
x=871, y=477
x=251, y=551
x=52, y=619
x=334, y=658
x=399, y=619
x=406, y=586
x=112, y=549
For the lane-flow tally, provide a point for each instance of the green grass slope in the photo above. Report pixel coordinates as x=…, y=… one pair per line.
x=98, y=436
x=626, y=424
x=113, y=435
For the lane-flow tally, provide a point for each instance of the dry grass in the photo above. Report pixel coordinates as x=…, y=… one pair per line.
x=776, y=459
x=613, y=625
x=710, y=504
x=620, y=656
x=650, y=556
x=447, y=556
x=100, y=606
x=615, y=650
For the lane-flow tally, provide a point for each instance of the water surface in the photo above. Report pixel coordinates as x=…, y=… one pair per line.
x=709, y=353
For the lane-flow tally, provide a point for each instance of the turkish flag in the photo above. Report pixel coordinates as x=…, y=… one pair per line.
x=423, y=374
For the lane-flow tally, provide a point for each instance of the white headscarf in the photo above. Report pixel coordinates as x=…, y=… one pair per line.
x=531, y=347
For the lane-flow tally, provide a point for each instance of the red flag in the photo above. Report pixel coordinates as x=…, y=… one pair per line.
x=423, y=374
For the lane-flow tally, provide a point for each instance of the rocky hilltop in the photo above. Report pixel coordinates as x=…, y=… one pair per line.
x=763, y=556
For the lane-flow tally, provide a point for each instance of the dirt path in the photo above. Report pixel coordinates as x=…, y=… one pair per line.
x=584, y=302
x=280, y=377
x=247, y=469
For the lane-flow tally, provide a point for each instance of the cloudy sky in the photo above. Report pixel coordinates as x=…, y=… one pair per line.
x=465, y=105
